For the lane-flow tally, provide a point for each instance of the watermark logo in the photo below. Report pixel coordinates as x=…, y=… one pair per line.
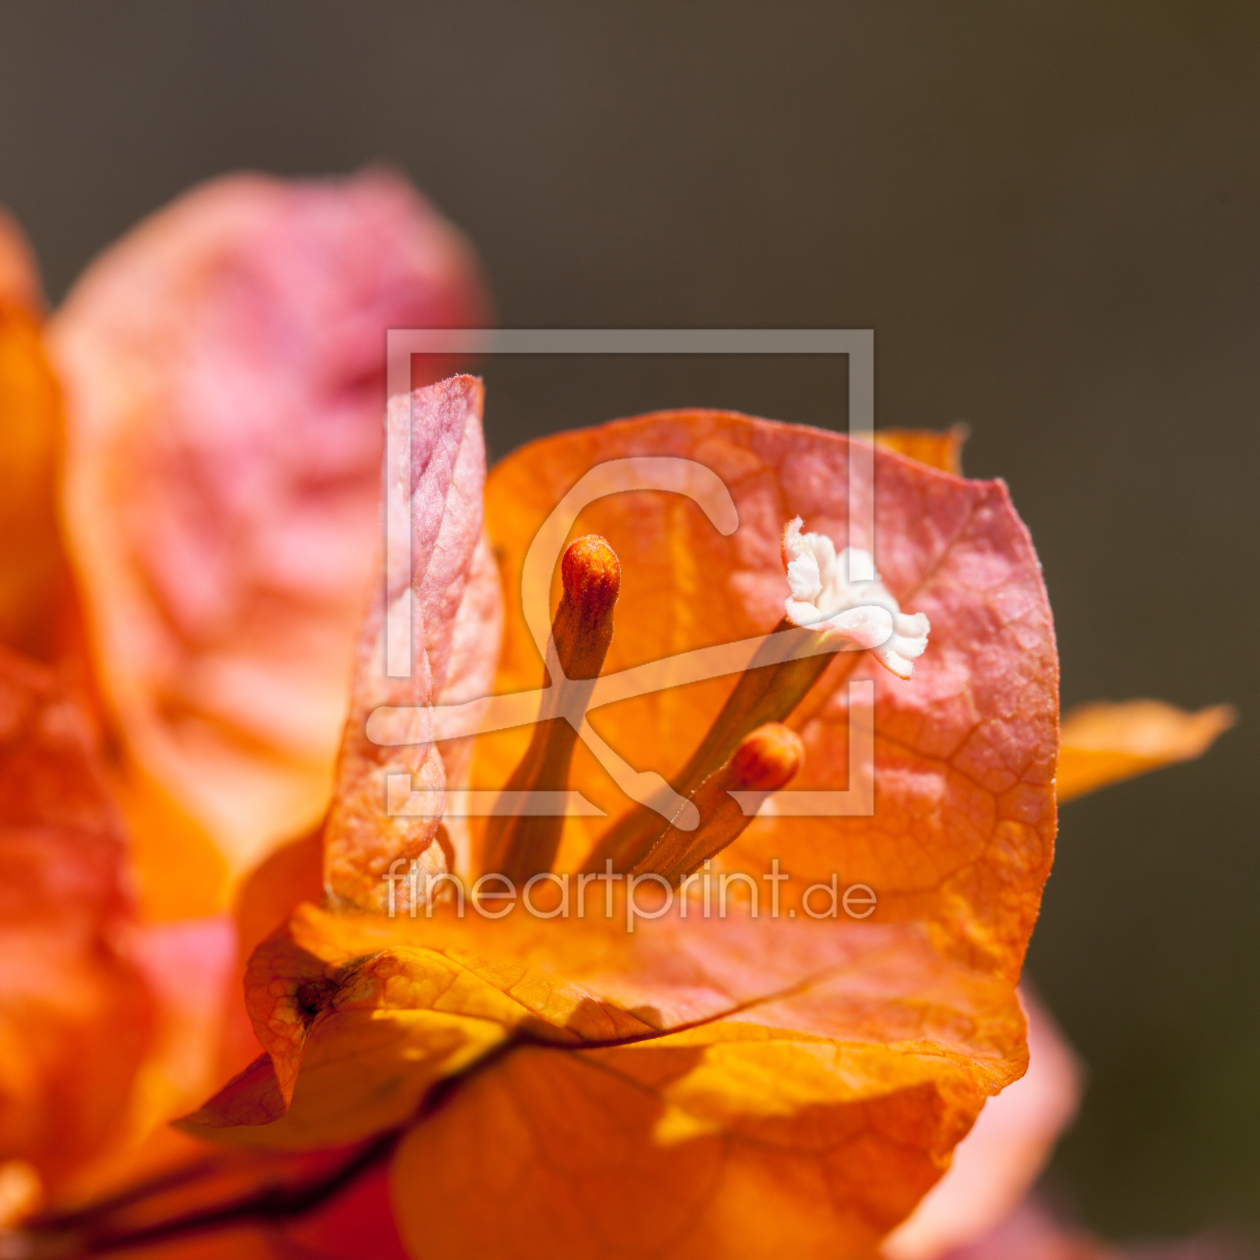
x=571, y=699
x=704, y=894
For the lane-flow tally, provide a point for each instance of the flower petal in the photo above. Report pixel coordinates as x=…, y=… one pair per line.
x=362, y=1016
x=994, y=1166
x=443, y=489
x=34, y=577
x=1104, y=743
x=813, y=1121
x=962, y=834
x=937, y=450
x=75, y=1014
x=223, y=367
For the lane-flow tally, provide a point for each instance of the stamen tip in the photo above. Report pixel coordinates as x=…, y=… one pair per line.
x=767, y=758
x=591, y=574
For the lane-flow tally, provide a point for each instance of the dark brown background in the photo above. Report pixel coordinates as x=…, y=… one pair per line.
x=1049, y=213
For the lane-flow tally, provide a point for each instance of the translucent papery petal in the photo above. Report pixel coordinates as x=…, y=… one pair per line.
x=1104, y=743
x=475, y=638
x=793, y=1079
x=224, y=374
x=961, y=837
x=811, y=1119
x=443, y=491
x=615, y=1153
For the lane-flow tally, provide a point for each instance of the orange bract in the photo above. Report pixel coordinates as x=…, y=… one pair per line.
x=1000, y=1158
x=671, y=1066
x=701, y=1084
x=34, y=578
x=961, y=839
x=75, y=1013
x=453, y=622
x=1103, y=743
x=938, y=450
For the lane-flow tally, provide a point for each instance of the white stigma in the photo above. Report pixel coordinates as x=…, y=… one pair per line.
x=821, y=597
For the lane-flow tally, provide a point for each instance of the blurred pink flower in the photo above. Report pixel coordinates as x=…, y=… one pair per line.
x=223, y=371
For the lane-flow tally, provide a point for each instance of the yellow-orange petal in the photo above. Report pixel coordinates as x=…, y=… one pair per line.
x=34, y=577
x=363, y=1016
x=809, y=1124
x=941, y=450
x=1102, y=743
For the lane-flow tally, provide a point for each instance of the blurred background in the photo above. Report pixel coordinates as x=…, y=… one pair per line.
x=1049, y=214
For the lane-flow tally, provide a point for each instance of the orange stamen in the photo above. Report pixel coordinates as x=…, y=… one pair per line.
x=521, y=846
x=766, y=693
x=764, y=761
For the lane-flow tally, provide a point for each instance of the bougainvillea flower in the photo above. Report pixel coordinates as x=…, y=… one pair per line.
x=964, y=755
x=732, y=1081
x=645, y=1076
x=672, y=1088
x=224, y=375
